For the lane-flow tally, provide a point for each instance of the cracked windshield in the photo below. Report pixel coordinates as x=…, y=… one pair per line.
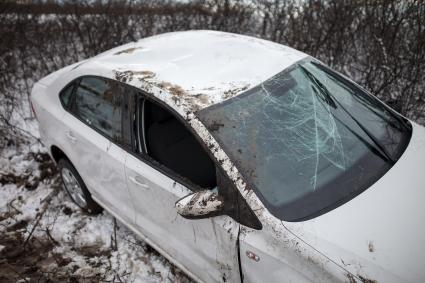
x=308, y=140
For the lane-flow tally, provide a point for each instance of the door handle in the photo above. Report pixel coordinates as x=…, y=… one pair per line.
x=136, y=180
x=71, y=137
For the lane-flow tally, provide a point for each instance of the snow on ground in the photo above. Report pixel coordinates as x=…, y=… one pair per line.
x=46, y=237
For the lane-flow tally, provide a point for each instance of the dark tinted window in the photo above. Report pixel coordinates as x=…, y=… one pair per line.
x=65, y=95
x=170, y=143
x=307, y=140
x=98, y=103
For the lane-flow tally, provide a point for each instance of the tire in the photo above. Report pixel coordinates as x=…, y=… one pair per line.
x=76, y=189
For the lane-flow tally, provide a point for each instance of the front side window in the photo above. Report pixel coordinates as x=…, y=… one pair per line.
x=98, y=103
x=164, y=138
x=308, y=140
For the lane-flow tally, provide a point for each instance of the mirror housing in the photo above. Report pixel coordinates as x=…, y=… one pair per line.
x=202, y=204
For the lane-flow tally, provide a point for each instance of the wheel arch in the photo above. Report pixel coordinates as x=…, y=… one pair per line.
x=58, y=154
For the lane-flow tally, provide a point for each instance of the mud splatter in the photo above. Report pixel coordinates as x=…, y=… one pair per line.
x=146, y=74
x=128, y=50
x=232, y=92
x=203, y=98
x=350, y=278
x=366, y=280
x=371, y=247
x=128, y=76
x=123, y=77
x=200, y=203
x=176, y=90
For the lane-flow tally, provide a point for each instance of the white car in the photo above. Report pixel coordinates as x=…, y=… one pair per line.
x=240, y=159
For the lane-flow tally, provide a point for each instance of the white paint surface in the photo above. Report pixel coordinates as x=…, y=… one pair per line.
x=208, y=66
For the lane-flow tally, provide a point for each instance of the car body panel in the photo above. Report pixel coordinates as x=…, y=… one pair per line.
x=49, y=114
x=206, y=246
x=113, y=183
x=282, y=257
x=100, y=164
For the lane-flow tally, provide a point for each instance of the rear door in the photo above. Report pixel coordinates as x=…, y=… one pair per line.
x=94, y=134
x=206, y=247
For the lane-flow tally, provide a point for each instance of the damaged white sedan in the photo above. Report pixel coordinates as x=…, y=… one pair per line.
x=240, y=159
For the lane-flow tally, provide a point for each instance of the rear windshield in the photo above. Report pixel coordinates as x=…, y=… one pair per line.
x=308, y=140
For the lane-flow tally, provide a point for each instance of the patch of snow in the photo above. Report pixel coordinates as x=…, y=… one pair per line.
x=93, y=247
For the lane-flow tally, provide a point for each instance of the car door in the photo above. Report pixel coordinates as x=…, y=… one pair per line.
x=206, y=247
x=94, y=134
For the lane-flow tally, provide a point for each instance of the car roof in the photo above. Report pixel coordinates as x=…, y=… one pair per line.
x=201, y=67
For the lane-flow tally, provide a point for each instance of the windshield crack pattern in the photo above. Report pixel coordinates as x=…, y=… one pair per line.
x=310, y=130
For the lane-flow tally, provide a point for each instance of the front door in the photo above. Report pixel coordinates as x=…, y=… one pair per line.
x=156, y=175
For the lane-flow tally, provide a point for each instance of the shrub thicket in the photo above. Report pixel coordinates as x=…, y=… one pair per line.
x=379, y=43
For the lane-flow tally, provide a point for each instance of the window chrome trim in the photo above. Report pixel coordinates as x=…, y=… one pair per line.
x=143, y=127
x=138, y=113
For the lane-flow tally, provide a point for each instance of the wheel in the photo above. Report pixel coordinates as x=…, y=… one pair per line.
x=76, y=188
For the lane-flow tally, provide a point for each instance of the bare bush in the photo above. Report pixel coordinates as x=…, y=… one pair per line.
x=381, y=44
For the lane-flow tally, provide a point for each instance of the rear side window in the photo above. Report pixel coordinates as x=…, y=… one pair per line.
x=65, y=96
x=98, y=103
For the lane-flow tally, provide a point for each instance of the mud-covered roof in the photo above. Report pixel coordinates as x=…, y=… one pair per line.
x=205, y=66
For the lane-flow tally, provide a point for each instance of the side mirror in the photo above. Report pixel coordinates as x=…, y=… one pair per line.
x=202, y=204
